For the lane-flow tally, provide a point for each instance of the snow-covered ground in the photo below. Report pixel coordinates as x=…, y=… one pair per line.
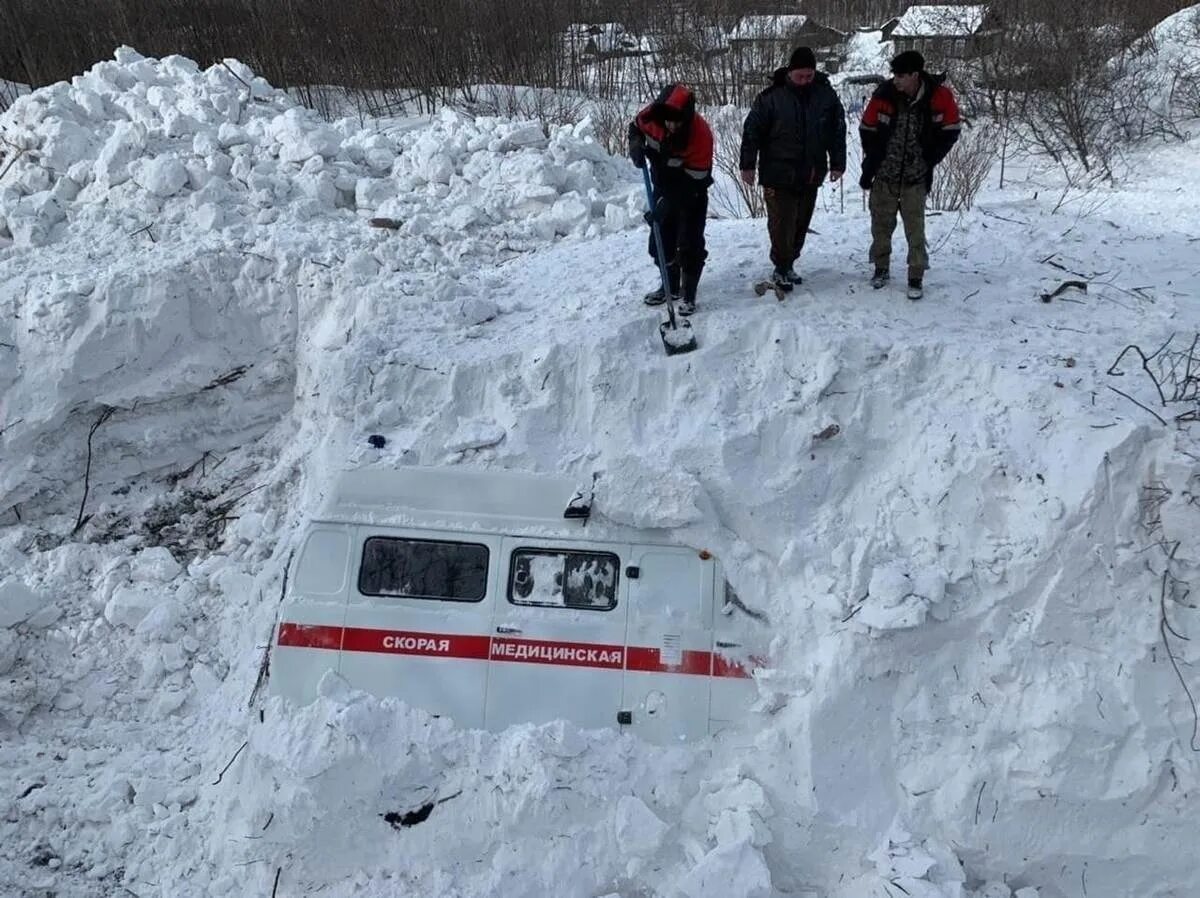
x=972, y=690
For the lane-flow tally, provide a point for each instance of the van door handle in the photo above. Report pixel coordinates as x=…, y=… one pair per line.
x=728, y=645
x=508, y=629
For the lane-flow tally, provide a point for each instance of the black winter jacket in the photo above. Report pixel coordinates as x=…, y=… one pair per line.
x=795, y=135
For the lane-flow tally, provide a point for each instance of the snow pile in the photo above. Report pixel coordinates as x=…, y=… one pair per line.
x=1167, y=69
x=144, y=178
x=975, y=557
x=866, y=52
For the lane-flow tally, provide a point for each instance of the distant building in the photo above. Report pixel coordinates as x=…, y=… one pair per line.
x=947, y=32
x=766, y=41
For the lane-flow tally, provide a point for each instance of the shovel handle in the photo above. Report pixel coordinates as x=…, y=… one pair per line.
x=658, y=245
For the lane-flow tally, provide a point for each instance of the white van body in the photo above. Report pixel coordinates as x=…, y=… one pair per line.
x=468, y=593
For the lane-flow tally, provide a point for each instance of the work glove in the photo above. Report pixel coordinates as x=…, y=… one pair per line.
x=865, y=181
x=659, y=213
x=637, y=150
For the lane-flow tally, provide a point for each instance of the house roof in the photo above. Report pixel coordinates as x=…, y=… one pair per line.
x=940, y=21
x=758, y=28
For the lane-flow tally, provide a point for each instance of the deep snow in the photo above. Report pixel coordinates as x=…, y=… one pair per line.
x=969, y=691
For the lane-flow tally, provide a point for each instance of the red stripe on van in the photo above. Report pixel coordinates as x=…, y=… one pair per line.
x=724, y=667
x=569, y=654
x=408, y=642
x=529, y=651
x=310, y=636
x=650, y=661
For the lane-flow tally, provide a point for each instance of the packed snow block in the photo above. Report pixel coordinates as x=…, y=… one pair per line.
x=521, y=135
x=477, y=311
x=210, y=217
x=474, y=435
x=129, y=605
x=893, y=602
x=638, y=827
x=162, y=176
x=8, y=651
x=32, y=222
x=300, y=139
x=163, y=622
x=155, y=564
x=733, y=871
x=371, y=193
x=18, y=602
x=126, y=143
x=65, y=143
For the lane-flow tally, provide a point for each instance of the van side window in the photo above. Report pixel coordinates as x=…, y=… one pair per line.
x=562, y=578
x=423, y=569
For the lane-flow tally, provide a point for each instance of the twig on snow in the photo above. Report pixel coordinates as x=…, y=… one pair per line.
x=230, y=764
x=105, y=414
x=1138, y=404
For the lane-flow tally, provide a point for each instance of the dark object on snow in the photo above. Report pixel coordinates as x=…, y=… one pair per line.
x=390, y=223
x=377, y=441
x=676, y=331
x=409, y=818
x=1063, y=287
x=761, y=288
x=580, y=506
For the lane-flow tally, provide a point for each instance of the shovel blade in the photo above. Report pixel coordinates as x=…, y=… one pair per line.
x=679, y=338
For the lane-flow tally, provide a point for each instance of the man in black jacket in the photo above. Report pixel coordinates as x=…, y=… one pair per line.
x=796, y=134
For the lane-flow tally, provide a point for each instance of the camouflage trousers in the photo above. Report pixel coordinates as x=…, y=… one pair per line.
x=886, y=200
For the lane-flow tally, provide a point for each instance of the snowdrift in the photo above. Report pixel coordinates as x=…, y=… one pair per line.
x=978, y=578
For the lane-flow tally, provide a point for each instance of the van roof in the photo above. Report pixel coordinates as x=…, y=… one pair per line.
x=469, y=495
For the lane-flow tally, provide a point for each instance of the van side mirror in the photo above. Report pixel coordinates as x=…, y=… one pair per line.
x=633, y=572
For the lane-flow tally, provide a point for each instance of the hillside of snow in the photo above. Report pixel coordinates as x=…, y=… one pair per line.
x=978, y=581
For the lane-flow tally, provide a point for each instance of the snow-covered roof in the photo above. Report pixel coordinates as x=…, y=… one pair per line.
x=940, y=21
x=450, y=491
x=758, y=28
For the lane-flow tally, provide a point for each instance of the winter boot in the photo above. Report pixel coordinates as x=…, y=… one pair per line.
x=915, y=288
x=686, y=306
x=655, y=297
x=781, y=279
x=792, y=276
x=880, y=278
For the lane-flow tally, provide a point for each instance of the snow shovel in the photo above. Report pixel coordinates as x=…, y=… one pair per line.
x=676, y=331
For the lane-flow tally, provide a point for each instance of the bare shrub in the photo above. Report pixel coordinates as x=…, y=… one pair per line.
x=610, y=120
x=742, y=199
x=959, y=177
x=550, y=107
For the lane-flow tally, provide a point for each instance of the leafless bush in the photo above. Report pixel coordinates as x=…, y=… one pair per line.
x=610, y=119
x=550, y=107
x=957, y=180
x=743, y=199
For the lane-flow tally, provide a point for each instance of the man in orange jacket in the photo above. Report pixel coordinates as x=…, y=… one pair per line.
x=907, y=128
x=677, y=143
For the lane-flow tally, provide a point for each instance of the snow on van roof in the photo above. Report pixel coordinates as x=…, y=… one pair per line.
x=451, y=491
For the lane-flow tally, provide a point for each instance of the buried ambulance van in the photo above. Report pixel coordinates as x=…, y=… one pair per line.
x=497, y=598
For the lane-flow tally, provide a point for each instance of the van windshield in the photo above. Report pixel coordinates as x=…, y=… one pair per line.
x=423, y=569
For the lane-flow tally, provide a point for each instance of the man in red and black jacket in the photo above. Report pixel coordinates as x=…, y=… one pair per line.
x=907, y=128
x=677, y=143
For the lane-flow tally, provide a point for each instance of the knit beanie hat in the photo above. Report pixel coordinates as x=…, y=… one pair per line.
x=908, y=62
x=802, y=58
